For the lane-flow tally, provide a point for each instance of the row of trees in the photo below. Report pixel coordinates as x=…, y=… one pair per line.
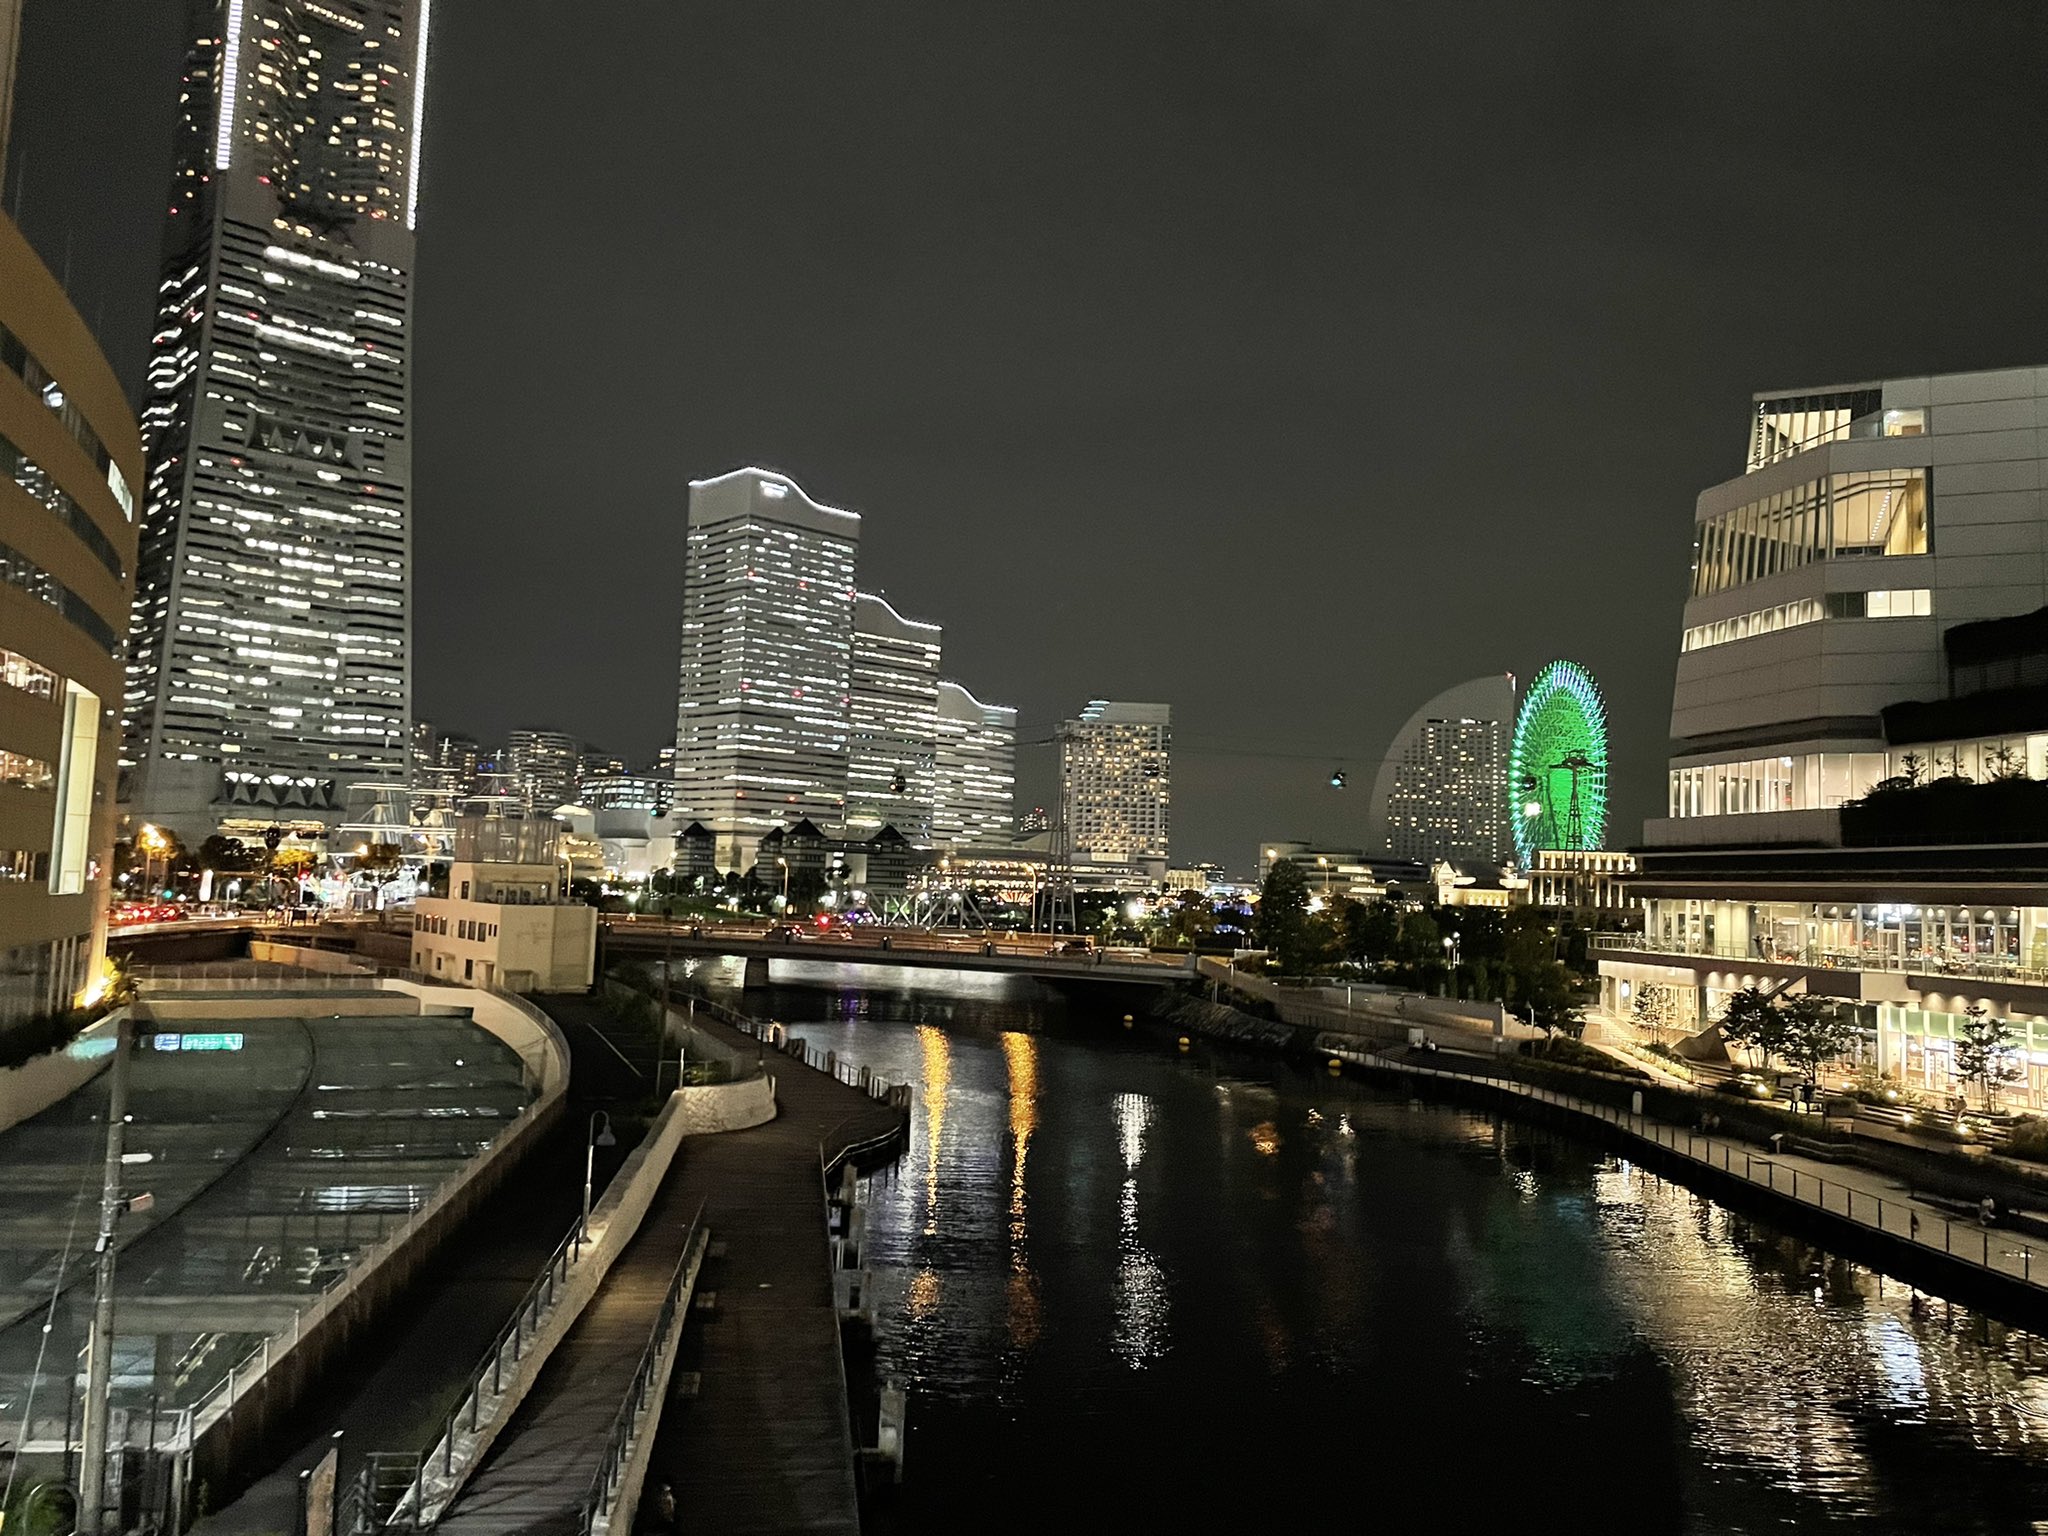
x=1522, y=957
x=1807, y=1033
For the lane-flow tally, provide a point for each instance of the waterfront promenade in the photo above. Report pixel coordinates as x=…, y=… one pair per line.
x=1863, y=1198
x=762, y=1438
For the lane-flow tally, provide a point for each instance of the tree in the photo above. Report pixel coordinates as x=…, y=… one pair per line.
x=1372, y=931
x=1556, y=997
x=1282, y=923
x=229, y=856
x=378, y=860
x=1750, y=1022
x=1986, y=1052
x=1654, y=1007
x=1812, y=1032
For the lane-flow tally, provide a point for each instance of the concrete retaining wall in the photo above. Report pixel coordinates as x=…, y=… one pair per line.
x=307, y=958
x=169, y=1007
x=258, y=1417
x=29, y=1089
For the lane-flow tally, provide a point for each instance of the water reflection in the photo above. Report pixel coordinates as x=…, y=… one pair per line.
x=1142, y=1302
x=1020, y=1056
x=1101, y=1255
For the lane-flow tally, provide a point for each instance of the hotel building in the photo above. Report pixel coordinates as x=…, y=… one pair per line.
x=1868, y=611
x=765, y=681
x=893, y=723
x=269, y=664
x=1116, y=783
x=1441, y=792
x=976, y=784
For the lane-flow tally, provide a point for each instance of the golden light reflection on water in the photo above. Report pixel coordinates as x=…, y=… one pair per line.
x=1020, y=1057
x=1142, y=1302
x=938, y=1073
x=921, y=1295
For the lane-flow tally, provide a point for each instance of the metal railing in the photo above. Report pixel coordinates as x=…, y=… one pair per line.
x=483, y=1394
x=1819, y=957
x=1898, y=1217
x=598, y=1503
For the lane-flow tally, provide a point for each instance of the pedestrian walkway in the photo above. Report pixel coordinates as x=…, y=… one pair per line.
x=1861, y=1196
x=766, y=1441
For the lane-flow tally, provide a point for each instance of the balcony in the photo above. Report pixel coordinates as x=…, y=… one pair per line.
x=1820, y=958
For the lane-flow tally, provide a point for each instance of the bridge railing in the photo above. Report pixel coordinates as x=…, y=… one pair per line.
x=483, y=1394
x=613, y=1491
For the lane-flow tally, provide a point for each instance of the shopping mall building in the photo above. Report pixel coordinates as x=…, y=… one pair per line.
x=1868, y=610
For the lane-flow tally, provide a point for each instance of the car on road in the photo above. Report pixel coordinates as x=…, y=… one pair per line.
x=782, y=933
x=1746, y=1085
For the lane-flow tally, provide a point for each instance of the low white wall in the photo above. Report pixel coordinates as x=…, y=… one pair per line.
x=29, y=1089
x=614, y=1222
x=306, y=958
x=166, y=1007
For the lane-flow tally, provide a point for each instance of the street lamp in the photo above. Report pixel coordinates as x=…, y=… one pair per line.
x=600, y=1136
x=1451, y=956
x=785, y=883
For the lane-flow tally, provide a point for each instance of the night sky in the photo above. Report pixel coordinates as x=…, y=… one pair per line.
x=1284, y=361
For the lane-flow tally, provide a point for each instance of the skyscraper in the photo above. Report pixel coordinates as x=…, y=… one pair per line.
x=764, y=685
x=1441, y=790
x=269, y=661
x=975, y=781
x=1115, y=782
x=545, y=763
x=894, y=718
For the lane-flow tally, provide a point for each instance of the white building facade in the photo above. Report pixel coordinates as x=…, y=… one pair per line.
x=976, y=780
x=1868, y=610
x=765, y=680
x=1116, y=782
x=1441, y=791
x=893, y=722
x=269, y=662
x=506, y=920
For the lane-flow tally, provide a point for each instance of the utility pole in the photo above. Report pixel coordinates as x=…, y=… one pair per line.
x=92, y=1472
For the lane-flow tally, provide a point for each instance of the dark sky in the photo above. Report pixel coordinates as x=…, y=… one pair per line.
x=1285, y=360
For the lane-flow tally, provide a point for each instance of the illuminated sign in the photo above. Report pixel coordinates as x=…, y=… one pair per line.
x=216, y=1042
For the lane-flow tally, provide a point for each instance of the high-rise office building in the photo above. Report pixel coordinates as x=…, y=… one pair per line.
x=546, y=764
x=975, y=782
x=1441, y=790
x=1115, y=783
x=69, y=451
x=894, y=721
x=764, y=684
x=269, y=662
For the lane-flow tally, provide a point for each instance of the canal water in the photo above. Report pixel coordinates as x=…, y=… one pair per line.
x=1135, y=1289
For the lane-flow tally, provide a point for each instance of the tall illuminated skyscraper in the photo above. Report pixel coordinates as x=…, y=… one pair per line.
x=1116, y=782
x=269, y=661
x=894, y=716
x=764, y=687
x=975, y=782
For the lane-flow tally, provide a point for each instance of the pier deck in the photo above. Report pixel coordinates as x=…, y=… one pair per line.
x=766, y=1441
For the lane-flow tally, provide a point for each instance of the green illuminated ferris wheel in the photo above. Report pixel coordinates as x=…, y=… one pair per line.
x=1557, y=767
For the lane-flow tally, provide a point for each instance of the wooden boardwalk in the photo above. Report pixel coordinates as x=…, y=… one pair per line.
x=766, y=1441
